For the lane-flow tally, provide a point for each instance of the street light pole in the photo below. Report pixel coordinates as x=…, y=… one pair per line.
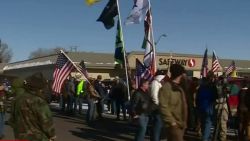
x=162, y=35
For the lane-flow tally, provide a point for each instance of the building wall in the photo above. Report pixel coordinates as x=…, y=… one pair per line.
x=191, y=64
x=47, y=71
x=163, y=61
x=106, y=73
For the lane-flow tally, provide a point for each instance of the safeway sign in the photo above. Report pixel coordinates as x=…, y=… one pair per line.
x=184, y=62
x=191, y=63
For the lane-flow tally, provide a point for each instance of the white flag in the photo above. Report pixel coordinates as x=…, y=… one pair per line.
x=148, y=44
x=139, y=10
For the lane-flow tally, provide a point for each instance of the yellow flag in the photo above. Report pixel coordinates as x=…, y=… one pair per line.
x=91, y=2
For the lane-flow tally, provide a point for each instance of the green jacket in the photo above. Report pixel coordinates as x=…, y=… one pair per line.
x=173, y=106
x=31, y=118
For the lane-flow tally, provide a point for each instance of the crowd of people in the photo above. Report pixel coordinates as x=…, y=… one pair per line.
x=169, y=106
x=172, y=104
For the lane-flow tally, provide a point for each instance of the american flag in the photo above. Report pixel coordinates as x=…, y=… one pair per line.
x=204, y=68
x=142, y=73
x=83, y=69
x=148, y=44
x=63, y=68
x=215, y=63
x=230, y=69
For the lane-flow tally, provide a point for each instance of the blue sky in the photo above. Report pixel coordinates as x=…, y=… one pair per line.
x=224, y=25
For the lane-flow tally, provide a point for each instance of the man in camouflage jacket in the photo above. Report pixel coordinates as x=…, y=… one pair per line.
x=31, y=118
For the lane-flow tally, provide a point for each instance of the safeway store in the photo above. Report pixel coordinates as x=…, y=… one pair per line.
x=103, y=64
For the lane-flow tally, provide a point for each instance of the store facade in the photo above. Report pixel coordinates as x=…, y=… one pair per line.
x=103, y=64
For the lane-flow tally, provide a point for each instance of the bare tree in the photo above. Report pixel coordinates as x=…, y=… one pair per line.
x=5, y=53
x=44, y=52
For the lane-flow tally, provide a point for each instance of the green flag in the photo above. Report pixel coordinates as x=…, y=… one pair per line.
x=108, y=14
x=119, y=45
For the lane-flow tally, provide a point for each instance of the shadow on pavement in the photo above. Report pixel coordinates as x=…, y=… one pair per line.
x=107, y=130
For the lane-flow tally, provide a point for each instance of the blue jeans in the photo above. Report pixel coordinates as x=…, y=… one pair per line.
x=113, y=106
x=206, y=124
x=70, y=102
x=157, y=126
x=120, y=104
x=62, y=102
x=91, y=110
x=100, y=107
x=78, y=101
x=142, y=127
x=2, y=122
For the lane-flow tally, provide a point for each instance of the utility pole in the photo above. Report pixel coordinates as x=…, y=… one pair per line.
x=73, y=48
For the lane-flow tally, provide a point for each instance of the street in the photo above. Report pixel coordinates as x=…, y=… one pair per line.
x=75, y=128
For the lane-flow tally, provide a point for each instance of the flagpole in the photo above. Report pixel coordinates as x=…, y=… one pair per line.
x=77, y=68
x=154, y=49
x=124, y=51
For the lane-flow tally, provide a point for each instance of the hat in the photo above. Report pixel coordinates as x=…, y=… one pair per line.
x=160, y=72
x=36, y=81
x=99, y=77
x=17, y=83
x=176, y=70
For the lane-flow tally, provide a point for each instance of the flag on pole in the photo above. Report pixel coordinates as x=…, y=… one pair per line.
x=91, y=2
x=142, y=73
x=108, y=14
x=138, y=11
x=63, y=68
x=204, y=67
x=215, y=63
x=119, y=45
x=83, y=69
x=149, y=45
x=230, y=69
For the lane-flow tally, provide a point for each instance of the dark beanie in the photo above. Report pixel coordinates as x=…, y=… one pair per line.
x=176, y=70
x=36, y=81
x=160, y=72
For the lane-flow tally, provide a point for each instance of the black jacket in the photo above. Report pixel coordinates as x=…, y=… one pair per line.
x=100, y=89
x=141, y=103
x=119, y=92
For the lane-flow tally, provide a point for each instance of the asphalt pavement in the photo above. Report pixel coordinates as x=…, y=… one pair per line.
x=74, y=128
